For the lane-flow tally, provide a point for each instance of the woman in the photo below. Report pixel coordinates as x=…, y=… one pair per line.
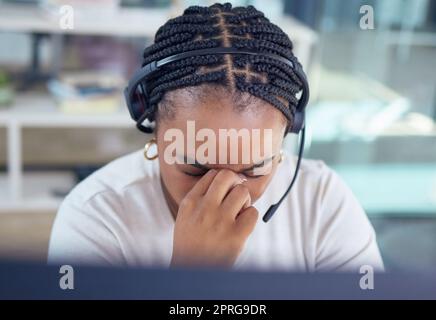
x=174, y=209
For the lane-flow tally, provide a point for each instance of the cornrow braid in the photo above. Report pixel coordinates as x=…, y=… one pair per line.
x=220, y=25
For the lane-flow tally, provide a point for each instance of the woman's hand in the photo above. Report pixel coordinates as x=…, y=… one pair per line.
x=213, y=222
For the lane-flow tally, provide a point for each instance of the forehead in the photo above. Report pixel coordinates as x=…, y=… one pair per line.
x=215, y=117
x=217, y=108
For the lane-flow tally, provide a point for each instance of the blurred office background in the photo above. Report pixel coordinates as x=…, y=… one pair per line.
x=371, y=117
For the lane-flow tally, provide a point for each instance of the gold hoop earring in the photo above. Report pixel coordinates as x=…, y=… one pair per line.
x=281, y=156
x=147, y=147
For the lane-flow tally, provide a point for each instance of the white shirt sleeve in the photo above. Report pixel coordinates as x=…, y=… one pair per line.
x=345, y=238
x=82, y=234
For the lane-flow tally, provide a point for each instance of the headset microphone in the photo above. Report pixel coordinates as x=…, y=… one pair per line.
x=272, y=209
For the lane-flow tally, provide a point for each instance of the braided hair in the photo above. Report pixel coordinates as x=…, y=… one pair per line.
x=220, y=25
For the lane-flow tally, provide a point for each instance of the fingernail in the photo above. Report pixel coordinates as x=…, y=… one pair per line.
x=242, y=177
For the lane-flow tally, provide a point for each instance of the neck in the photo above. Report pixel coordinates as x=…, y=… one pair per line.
x=172, y=205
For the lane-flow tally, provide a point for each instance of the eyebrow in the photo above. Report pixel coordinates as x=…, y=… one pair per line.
x=203, y=167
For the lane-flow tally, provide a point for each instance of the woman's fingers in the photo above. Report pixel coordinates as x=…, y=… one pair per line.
x=204, y=232
x=201, y=187
x=246, y=221
x=224, y=181
x=220, y=192
x=237, y=200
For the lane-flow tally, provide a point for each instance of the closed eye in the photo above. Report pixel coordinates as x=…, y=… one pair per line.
x=249, y=175
x=256, y=171
x=200, y=174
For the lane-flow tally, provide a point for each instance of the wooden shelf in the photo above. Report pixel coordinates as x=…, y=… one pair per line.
x=32, y=191
x=127, y=22
x=37, y=193
x=39, y=110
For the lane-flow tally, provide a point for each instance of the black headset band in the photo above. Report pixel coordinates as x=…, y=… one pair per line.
x=153, y=66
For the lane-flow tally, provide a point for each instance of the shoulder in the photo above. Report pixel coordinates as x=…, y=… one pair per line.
x=102, y=198
x=317, y=171
x=320, y=191
x=335, y=223
x=313, y=174
x=91, y=223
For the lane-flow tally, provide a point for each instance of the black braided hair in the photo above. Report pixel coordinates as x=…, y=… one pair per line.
x=220, y=25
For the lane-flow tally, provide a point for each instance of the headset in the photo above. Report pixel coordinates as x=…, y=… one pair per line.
x=136, y=97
